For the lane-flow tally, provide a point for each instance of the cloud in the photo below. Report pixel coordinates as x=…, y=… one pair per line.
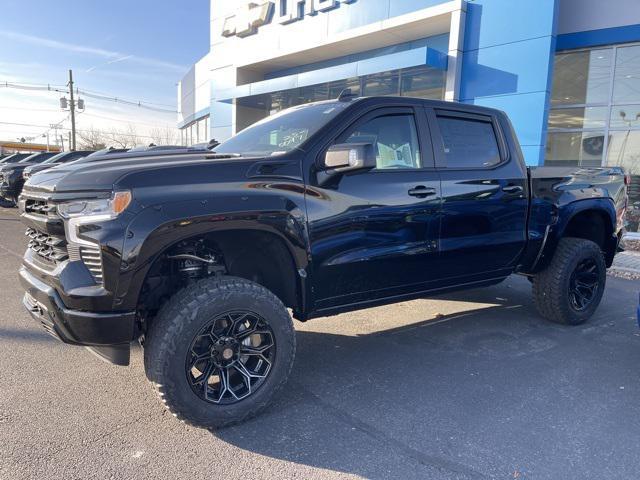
x=111, y=55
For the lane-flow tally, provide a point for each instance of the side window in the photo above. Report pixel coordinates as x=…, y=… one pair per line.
x=468, y=143
x=395, y=139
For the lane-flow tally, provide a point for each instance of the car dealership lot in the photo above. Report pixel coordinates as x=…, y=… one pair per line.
x=468, y=385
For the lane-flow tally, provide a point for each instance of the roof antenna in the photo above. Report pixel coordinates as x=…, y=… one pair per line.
x=346, y=95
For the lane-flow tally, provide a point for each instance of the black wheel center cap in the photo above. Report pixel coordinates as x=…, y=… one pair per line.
x=225, y=351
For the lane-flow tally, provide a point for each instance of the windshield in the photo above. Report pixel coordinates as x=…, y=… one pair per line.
x=55, y=157
x=37, y=157
x=283, y=131
x=15, y=158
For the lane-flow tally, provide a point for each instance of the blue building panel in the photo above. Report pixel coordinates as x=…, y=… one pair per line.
x=527, y=113
x=497, y=22
x=596, y=38
x=512, y=68
x=507, y=61
x=221, y=114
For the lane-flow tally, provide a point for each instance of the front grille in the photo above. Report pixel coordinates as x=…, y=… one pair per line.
x=49, y=248
x=53, y=249
x=39, y=207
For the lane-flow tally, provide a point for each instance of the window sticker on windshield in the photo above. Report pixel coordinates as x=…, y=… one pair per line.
x=328, y=111
x=294, y=138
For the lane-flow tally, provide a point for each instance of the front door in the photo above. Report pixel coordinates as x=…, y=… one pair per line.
x=374, y=233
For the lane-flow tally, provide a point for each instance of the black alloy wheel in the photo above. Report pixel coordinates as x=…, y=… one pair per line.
x=583, y=284
x=231, y=357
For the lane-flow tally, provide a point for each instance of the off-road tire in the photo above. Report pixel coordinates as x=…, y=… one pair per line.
x=170, y=334
x=551, y=285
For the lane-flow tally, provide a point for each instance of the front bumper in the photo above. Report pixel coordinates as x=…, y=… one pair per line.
x=8, y=191
x=107, y=334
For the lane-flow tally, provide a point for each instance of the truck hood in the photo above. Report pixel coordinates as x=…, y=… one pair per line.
x=14, y=167
x=105, y=175
x=40, y=167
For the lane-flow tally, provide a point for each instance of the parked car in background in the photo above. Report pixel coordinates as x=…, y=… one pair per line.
x=156, y=152
x=107, y=151
x=58, y=159
x=14, y=158
x=322, y=208
x=11, y=180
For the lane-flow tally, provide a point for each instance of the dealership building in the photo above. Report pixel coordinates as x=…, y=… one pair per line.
x=566, y=71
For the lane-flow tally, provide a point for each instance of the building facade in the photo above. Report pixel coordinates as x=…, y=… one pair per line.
x=566, y=71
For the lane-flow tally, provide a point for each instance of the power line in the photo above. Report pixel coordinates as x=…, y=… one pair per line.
x=31, y=125
x=137, y=122
x=86, y=93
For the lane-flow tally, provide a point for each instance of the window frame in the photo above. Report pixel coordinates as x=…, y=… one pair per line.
x=437, y=139
x=427, y=161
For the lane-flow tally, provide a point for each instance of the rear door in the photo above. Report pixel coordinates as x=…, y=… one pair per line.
x=484, y=196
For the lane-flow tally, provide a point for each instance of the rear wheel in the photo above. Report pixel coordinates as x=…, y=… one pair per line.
x=569, y=290
x=219, y=351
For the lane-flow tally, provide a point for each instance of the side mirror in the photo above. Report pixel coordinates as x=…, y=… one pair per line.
x=347, y=157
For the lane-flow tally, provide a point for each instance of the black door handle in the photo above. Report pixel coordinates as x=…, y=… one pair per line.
x=421, y=191
x=512, y=189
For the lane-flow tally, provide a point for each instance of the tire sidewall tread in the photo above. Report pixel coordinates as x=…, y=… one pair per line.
x=550, y=286
x=181, y=318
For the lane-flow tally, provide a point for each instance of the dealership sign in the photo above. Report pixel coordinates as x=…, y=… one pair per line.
x=253, y=15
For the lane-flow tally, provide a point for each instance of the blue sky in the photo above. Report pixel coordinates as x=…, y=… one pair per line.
x=136, y=49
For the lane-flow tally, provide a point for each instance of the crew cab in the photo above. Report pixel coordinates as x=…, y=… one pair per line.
x=320, y=209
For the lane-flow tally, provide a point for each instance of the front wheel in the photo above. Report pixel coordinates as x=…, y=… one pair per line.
x=219, y=350
x=569, y=290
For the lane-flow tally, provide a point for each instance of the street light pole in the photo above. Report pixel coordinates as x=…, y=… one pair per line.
x=72, y=106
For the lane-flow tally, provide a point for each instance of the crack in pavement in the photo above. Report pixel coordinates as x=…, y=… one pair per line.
x=97, y=438
x=8, y=250
x=394, y=444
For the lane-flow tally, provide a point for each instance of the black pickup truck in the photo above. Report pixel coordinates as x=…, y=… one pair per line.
x=321, y=209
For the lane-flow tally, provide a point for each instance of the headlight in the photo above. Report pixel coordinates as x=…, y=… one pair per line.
x=104, y=209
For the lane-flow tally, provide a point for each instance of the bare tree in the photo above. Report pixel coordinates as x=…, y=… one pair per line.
x=126, y=137
x=164, y=135
x=91, y=139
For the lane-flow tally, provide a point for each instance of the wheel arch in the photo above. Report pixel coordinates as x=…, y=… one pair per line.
x=589, y=219
x=247, y=244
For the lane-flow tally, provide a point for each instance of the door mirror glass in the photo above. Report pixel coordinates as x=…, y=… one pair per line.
x=345, y=157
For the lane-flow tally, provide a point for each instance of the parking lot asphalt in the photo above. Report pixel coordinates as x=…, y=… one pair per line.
x=466, y=385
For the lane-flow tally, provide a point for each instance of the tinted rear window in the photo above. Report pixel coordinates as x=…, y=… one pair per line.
x=469, y=143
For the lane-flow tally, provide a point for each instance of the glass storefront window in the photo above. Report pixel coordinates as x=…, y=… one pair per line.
x=422, y=82
x=595, y=114
x=202, y=130
x=381, y=84
x=624, y=150
x=581, y=77
x=627, y=77
x=625, y=116
x=574, y=148
x=581, y=117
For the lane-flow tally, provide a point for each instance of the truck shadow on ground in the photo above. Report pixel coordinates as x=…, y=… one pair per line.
x=420, y=398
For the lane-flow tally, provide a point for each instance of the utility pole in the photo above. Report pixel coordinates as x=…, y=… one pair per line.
x=72, y=106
